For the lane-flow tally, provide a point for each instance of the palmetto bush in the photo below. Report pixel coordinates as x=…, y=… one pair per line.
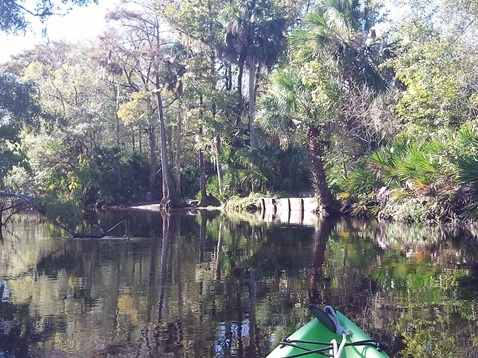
x=468, y=177
x=403, y=163
x=360, y=181
x=409, y=162
x=466, y=155
x=468, y=171
x=443, y=165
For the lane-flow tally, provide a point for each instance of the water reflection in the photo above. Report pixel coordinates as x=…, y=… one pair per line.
x=199, y=286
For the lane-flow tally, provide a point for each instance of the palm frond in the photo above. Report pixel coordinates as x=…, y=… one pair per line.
x=361, y=181
x=468, y=136
x=468, y=171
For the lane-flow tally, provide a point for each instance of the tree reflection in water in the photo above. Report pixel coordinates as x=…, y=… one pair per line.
x=317, y=281
x=206, y=286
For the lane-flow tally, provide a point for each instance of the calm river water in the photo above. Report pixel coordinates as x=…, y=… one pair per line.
x=195, y=286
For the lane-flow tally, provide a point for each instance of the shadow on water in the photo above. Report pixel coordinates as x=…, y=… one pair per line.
x=198, y=286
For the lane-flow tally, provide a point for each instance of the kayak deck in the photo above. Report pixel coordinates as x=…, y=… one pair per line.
x=305, y=341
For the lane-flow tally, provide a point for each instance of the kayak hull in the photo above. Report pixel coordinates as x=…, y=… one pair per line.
x=315, y=331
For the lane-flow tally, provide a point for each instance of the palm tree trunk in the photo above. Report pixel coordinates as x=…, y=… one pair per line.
x=240, y=105
x=316, y=147
x=252, y=101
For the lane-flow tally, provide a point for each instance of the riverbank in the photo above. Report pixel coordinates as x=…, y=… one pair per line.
x=398, y=205
x=294, y=211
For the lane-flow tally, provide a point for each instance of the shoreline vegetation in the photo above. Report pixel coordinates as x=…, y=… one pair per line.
x=403, y=205
x=241, y=97
x=390, y=207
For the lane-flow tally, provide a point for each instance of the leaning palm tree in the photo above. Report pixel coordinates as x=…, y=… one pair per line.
x=293, y=111
x=332, y=56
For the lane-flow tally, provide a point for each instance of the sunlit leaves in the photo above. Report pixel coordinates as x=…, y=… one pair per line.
x=431, y=95
x=438, y=74
x=135, y=109
x=325, y=93
x=404, y=160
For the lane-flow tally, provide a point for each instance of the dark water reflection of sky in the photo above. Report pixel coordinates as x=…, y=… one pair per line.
x=212, y=287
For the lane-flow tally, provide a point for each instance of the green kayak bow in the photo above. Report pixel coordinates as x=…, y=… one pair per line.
x=329, y=334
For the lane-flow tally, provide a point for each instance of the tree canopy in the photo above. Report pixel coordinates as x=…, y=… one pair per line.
x=223, y=98
x=15, y=15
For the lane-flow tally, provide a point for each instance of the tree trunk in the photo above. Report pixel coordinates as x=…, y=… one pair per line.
x=202, y=167
x=153, y=160
x=228, y=77
x=217, y=145
x=202, y=178
x=117, y=91
x=240, y=103
x=240, y=75
x=179, y=147
x=170, y=198
x=252, y=102
x=316, y=147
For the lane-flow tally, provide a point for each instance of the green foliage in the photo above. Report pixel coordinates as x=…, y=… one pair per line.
x=108, y=177
x=427, y=159
x=337, y=34
x=436, y=72
x=19, y=180
x=468, y=171
x=18, y=100
x=19, y=109
x=334, y=78
x=361, y=180
x=64, y=211
x=268, y=169
x=299, y=97
x=404, y=160
x=105, y=175
x=406, y=209
x=426, y=173
x=254, y=31
x=119, y=177
x=462, y=146
x=242, y=170
x=332, y=59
